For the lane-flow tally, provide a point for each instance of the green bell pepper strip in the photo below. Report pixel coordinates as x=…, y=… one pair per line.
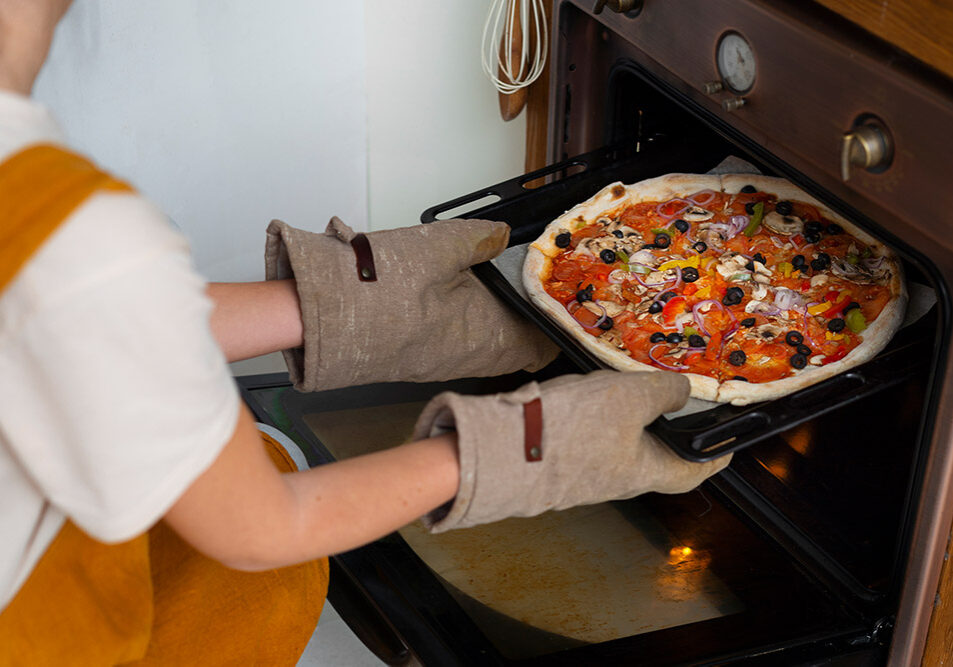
x=755, y=219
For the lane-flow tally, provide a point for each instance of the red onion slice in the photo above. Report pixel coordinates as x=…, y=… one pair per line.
x=700, y=316
x=669, y=216
x=787, y=299
x=737, y=224
x=572, y=311
x=662, y=363
x=702, y=197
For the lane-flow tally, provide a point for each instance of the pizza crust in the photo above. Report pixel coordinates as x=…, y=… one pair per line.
x=606, y=202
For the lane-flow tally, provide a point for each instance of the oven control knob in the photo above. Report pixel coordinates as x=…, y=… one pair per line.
x=712, y=87
x=630, y=7
x=733, y=103
x=867, y=146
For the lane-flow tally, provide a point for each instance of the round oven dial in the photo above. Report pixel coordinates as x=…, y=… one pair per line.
x=736, y=63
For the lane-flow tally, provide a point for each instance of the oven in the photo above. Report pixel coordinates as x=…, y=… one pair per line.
x=824, y=541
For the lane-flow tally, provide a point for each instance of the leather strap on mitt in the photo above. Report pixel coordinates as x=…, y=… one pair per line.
x=400, y=305
x=574, y=440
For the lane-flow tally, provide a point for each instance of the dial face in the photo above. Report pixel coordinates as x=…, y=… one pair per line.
x=736, y=64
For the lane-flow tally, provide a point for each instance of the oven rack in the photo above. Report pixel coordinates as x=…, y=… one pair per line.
x=706, y=434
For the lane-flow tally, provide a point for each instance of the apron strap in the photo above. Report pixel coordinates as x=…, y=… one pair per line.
x=39, y=187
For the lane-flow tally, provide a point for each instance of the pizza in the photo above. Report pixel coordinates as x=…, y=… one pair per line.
x=745, y=283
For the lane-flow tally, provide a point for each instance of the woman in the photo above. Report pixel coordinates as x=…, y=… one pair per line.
x=141, y=519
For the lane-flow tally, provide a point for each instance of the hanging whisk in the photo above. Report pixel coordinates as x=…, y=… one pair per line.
x=514, y=43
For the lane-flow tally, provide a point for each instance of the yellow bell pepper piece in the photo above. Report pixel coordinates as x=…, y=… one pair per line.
x=682, y=263
x=819, y=308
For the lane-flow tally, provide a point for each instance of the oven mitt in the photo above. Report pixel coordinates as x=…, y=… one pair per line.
x=400, y=305
x=574, y=440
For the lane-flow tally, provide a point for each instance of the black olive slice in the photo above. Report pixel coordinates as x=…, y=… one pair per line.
x=733, y=296
x=784, y=207
x=563, y=240
x=837, y=324
x=821, y=262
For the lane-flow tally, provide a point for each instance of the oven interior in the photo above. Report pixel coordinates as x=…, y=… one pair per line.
x=795, y=554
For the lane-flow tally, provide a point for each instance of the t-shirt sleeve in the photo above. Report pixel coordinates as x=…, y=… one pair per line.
x=120, y=397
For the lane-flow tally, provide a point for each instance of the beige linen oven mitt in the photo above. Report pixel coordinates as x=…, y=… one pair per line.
x=574, y=440
x=400, y=305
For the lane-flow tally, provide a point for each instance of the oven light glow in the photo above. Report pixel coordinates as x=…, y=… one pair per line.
x=677, y=554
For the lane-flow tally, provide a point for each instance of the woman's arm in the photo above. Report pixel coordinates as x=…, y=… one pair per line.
x=251, y=319
x=245, y=514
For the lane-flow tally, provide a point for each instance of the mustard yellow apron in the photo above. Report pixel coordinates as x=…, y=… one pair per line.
x=152, y=600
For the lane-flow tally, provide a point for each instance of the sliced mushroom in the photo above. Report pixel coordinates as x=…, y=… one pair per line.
x=613, y=309
x=766, y=331
x=730, y=263
x=862, y=273
x=786, y=225
x=696, y=214
x=819, y=279
x=755, y=306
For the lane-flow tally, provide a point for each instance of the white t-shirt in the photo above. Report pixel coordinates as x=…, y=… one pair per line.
x=114, y=397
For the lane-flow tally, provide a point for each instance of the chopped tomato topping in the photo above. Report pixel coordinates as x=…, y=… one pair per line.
x=837, y=355
x=674, y=307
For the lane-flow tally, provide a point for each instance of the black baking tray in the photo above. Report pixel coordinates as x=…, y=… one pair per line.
x=710, y=433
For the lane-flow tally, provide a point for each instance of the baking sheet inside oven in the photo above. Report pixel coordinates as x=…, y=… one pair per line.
x=586, y=575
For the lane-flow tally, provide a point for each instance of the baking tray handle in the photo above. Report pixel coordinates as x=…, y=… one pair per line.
x=717, y=432
x=513, y=189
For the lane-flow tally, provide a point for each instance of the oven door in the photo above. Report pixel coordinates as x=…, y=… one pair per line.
x=657, y=580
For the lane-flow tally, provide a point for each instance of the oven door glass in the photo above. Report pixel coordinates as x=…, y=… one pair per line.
x=658, y=575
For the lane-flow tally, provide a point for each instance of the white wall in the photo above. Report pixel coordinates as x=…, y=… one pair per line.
x=227, y=113
x=434, y=126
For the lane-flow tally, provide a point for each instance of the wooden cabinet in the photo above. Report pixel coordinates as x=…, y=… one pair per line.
x=922, y=28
